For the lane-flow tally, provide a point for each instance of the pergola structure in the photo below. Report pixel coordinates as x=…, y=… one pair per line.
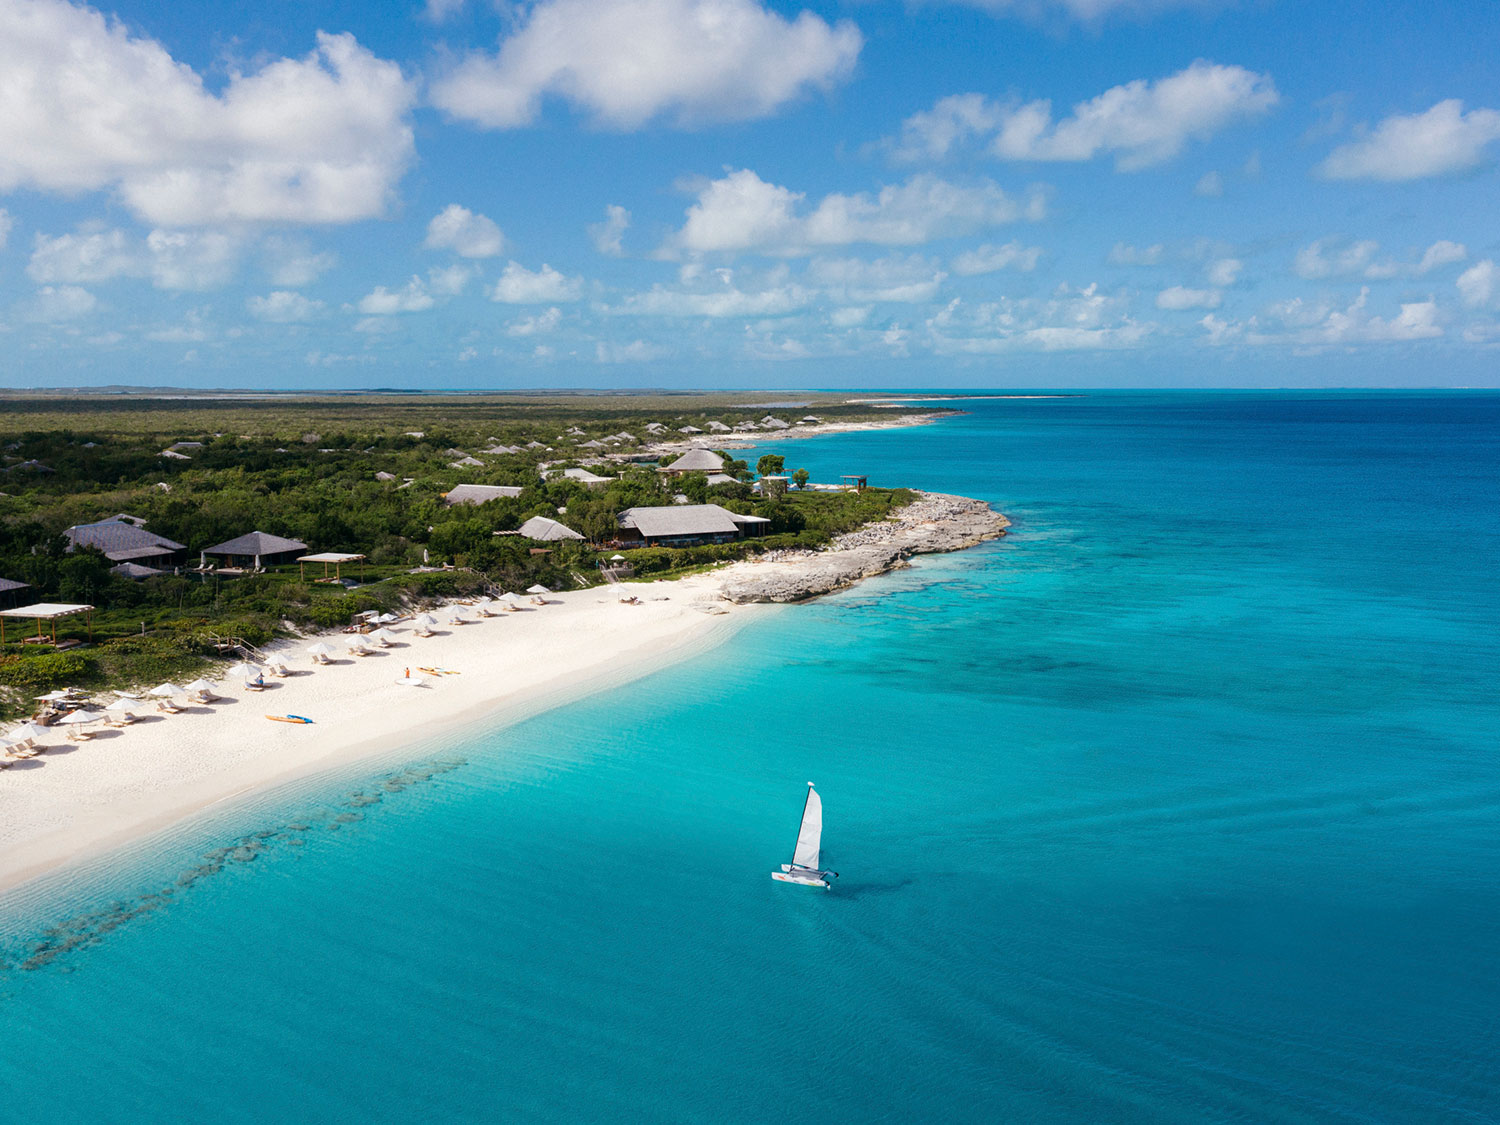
x=334, y=559
x=856, y=483
x=46, y=611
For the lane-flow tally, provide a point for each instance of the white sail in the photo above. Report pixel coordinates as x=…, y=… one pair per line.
x=810, y=838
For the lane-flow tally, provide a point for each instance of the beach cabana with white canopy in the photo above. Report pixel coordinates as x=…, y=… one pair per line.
x=46, y=611
x=75, y=720
x=321, y=652
x=202, y=691
x=424, y=625
x=383, y=637
x=335, y=559
x=121, y=712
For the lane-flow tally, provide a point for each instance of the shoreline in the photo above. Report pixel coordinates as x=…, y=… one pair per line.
x=80, y=802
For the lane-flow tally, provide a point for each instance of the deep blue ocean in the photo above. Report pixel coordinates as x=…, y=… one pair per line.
x=1179, y=804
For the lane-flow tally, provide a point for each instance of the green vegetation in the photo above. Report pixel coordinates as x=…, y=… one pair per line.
x=306, y=468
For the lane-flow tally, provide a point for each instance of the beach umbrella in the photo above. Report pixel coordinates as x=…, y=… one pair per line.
x=167, y=690
x=124, y=703
x=538, y=589
x=200, y=685
x=427, y=619
x=616, y=558
x=244, y=669
x=29, y=732
x=386, y=619
x=511, y=599
x=76, y=718
x=55, y=696
x=384, y=636
x=320, y=649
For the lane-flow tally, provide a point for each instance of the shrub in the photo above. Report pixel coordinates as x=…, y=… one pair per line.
x=47, y=670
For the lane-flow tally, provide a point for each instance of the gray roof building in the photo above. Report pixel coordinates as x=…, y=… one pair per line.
x=480, y=493
x=696, y=461
x=122, y=542
x=688, y=523
x=540, y=527
x=255, y=545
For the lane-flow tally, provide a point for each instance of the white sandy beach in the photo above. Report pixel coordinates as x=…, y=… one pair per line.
x=78, y=800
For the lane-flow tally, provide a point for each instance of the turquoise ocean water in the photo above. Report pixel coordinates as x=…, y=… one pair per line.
x=1181, y=804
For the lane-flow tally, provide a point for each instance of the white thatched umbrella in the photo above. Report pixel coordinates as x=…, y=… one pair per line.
x=202, y=690
x=167, y=690
x=383, y=637
x=427, y=620
x=244, y=669
x=538, y=589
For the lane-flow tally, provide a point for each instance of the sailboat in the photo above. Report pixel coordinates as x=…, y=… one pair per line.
x=803, y=869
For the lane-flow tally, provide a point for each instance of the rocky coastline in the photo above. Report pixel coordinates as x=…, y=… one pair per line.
x=935, y=522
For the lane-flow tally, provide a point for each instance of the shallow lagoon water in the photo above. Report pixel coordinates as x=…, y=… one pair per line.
x=1179, y=804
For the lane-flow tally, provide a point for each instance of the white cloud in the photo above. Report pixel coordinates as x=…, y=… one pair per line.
x=1084, y=11
x=291, y=263
x=1224, y=272
x=1437, y=142
x=625, y=62
x=850, y=317
x=1334, y=257
x=467, y=234
x=1478, y=284
x=608, y=234
x=1177, y=298
x=1142, y=123
x=1221, y=331
x=637, y=351
x=1123, y=254
x=989, y=258
x=283, y=306
x=61, y=302
x=171, y=259
x=1417, y=320
x=520, y=286
x=1328, y=257
x=376, y=325
x=727, y=302
x=6, y=222
x=450, y=281
x=952, y=121
x=742, y=212
x=1071, y=319
x=536, y=325
x=1210, y=185
x=385, y=302
x=86, y=106
x=440, y=10
x=854, y=280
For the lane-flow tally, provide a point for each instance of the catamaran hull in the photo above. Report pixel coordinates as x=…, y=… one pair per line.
x=802, y=879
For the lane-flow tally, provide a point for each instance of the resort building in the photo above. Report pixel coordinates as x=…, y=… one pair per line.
x=480, y=493
x=124, y=542
x=694, y=461
x=686, y=525
x=257, y=549
x=546, y=530
x=582, y=476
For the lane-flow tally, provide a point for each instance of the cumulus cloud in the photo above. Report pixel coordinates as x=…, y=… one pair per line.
x=1224, y=272
x=1335, y=257
x=1070, y=319
x=1140, y=123
x=467, y=234
x=536, y=325
x=520, y=286
x=1084, y=11
x=608, y=235
x=726, y=302
x=1177, y=298
x=54, y=303
x=895, y=279
x=380, y=301
x=1123, y=254
x=1437, y=142
x=1477, y=285
x=290, y=263
x=87, y=106
x=850, y=317
x=283, y=306
x=624, y=62
x=742, y=212
x=170, y=259
x=989, y=258
x=1321, y=323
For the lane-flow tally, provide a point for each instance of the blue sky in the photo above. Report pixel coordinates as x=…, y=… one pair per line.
x=463, y=193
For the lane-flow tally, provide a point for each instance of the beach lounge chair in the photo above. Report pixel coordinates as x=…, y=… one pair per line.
x=78, y=734
x=257, y=684
x=277, y=668
x=167, y=707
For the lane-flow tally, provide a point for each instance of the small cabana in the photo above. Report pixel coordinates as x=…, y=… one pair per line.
x=45, y=611
x=855, y=483
x=335, y=559
x=257, y=547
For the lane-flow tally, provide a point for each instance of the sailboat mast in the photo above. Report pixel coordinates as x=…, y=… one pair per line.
x=805, y=802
